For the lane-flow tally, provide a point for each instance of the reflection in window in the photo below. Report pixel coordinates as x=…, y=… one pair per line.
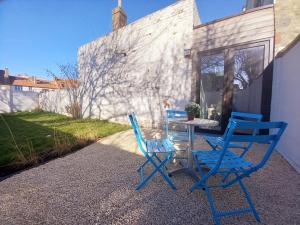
x=211, y=86
x=248, y=68
x=18, y=88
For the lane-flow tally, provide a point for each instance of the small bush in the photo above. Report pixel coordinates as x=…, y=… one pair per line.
x=37, y=110
x=75, y=110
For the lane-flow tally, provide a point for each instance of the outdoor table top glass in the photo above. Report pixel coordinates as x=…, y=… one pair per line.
x=191, y=124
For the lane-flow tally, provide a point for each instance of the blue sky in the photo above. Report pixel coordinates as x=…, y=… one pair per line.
x=36, y=35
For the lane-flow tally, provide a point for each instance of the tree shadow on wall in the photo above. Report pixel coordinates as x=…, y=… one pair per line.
x=121, y=72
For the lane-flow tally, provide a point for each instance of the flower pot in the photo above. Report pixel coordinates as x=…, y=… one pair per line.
x=191, y=116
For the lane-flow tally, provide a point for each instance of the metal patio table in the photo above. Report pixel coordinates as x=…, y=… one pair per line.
x=197, y=122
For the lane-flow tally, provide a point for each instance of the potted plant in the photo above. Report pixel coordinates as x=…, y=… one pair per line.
x=192, y=110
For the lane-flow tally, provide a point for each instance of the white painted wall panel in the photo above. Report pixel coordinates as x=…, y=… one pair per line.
x=154, y=70
x=4, y=99
x=24, y=101
x=11, y=101
x=285, y=103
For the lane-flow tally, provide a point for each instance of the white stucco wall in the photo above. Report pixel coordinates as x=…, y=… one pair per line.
x=24, y=101
x=55, y=101
x=140, y=67
x=11, y=101
x=285, y=103
x=4, y=99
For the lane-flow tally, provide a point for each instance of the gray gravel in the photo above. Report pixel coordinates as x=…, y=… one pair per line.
x=96, y=185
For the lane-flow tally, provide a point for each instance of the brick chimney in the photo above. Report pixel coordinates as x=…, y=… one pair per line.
x=33, y=79
x=119, y=17
x=6, y=75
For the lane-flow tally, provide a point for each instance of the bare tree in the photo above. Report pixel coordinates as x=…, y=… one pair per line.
x=68, y=80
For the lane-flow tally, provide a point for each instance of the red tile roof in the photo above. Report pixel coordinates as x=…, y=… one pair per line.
x=34, y=82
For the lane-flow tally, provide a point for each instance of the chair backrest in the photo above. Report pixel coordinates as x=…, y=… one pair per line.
x=246, y=116
x=271, y=140
x=243, y=117
x=176, y=114
x=137, y=132
x=173, y=115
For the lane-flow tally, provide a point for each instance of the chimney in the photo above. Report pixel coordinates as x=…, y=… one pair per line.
x=6, y=73
x=119, y=17
x=6, y=76
x=33, y=79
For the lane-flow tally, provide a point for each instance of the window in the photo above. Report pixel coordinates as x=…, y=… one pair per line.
x=258, y=3
x=212, y=86
x=232, y=79
x=18, y=88
x=247, y=83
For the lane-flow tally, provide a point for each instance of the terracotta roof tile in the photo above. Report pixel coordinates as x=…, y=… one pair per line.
x=35, y=82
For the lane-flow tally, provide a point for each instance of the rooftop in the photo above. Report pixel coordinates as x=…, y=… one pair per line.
x=32, y=81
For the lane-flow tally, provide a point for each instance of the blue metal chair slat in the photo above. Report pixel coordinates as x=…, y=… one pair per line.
x=174, y=132
x=230, y=159
x=151, y=149
x=226, y=162
x=217, y=142
x=258, y=117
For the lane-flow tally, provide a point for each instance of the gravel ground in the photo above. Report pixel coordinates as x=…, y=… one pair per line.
x=96, y=185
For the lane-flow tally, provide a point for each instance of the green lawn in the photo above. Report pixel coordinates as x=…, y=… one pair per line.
x=32, y=134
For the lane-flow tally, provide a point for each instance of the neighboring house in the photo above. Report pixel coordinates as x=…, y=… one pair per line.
x=22, y=93
x=27, y=83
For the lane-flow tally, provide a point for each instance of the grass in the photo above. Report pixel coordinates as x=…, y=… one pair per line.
x=26, y=136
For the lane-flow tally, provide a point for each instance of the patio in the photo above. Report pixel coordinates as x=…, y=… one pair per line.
x=96, y=185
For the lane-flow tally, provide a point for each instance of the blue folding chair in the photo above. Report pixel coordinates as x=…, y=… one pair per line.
x=216, y=142
x=226, y=162
x=151, y=149
x=173, y=131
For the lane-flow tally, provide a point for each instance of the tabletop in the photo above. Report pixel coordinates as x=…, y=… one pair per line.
x=198, y=122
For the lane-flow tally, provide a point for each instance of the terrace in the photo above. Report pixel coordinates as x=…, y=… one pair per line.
x=97, y=186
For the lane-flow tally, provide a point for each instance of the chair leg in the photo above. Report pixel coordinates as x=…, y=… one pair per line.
x=159, y=160
x=247, y=195
x=227, y=175
x=202, y=183
x=157, y=169
x=212, y=205
x=144, y=164
x=204, y=177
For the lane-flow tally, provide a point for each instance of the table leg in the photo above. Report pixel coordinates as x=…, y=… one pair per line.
x=189, y=169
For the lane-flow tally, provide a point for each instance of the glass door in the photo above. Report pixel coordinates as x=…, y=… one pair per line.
x=248, y=79
x=211, y=87
x=236, y=78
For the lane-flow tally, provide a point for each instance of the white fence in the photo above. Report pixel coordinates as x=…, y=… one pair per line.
x=11, y=101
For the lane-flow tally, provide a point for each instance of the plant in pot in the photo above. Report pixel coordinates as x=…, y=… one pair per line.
x=192, y=110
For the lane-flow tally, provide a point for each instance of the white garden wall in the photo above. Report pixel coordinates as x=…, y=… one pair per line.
x=285, y=103
x=140, y=67
x=5, y=99
x=11, y=101
x=54, y=101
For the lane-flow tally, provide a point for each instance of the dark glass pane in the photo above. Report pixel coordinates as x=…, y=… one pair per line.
x=248, y=68
x=212, y=86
